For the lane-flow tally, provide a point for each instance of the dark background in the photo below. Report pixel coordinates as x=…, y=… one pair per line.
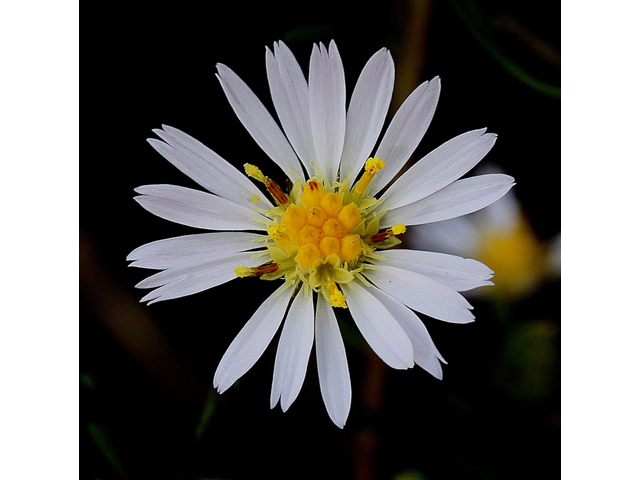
x=147, y=405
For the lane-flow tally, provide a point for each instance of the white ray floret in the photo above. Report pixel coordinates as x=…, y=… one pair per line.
x=290, y=95
x=293, y=352
x=425, y=353
x=459, y=198
x=252, y=341
x=460, y=274
x=195, y=208
x=327, y=107
x=422, y=294
x=172, y=252
x=187, y=279
x=379, y=328
x=333, y=371
x=405, y=131
x=441, y=167
x=367, y=110
x=207, y=168
x=259, y=122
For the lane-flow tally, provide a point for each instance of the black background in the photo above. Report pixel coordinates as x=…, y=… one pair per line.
x=146, y=370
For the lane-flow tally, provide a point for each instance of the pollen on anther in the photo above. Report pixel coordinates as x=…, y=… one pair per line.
x=278, y=233
x=338, y=299
x=398, y=229
x=243, y=271
x=373, y=165
x=254, y=172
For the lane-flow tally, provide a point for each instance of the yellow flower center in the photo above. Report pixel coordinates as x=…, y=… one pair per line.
x=321, y=235
x=319, y=226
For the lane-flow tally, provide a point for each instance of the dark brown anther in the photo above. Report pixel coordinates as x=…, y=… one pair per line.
x=268, y=268
x=276, y=192
x=381, y=236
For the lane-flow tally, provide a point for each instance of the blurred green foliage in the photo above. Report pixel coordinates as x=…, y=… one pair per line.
x=530, y=356
x=480, y=27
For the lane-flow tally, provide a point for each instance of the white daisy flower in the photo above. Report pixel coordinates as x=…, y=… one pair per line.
x=323, y=243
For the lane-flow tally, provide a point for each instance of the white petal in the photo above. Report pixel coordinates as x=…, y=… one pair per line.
x=421, y=293
x=405, y=131
x=259, y=122
x=367, y=111
x=333, y=371
x=425, y=353
x=171, y=252
x=439, y=168
x=293, y=352
x=290, y=94
x=184, y=280
x=196, y=209
x=378, y=327
x=252, y=341
x=327, y=107
x=461, y=197
x=461, y=274
x=207, y=167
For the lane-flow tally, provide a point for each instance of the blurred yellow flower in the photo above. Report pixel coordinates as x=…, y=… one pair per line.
x=515, y=255
x=502, y=238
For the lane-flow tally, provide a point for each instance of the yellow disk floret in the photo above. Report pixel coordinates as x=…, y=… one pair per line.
x=332, y=228
x=307, y=255
x=350, y=247
x=329, y=246
x=349, y=216
x=331, y=203
x=316, y=216
x=295, y=217
x=312, y=193
x=309, y=234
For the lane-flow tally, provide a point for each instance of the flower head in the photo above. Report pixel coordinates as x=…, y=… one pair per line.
x=325, y=242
